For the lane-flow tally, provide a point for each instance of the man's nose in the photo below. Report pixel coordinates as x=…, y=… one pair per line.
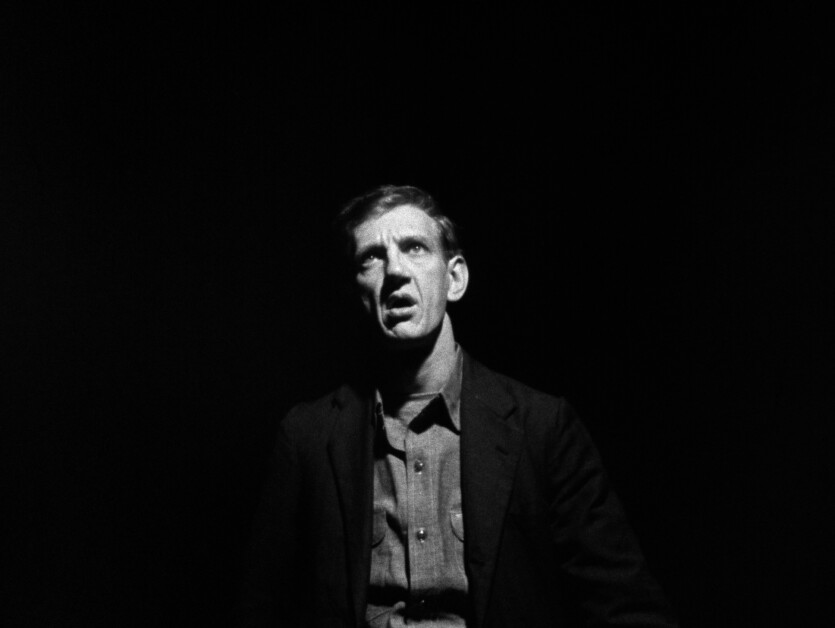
x=394, y=264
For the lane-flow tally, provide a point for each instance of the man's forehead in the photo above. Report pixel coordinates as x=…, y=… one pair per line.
x=401, y=221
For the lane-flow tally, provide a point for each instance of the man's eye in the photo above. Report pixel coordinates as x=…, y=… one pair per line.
x=415, y=247
x=369, y=258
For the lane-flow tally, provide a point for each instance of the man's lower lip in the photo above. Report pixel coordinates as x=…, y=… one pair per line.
x=400, y=311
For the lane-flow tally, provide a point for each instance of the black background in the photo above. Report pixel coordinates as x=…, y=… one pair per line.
x=646, y=197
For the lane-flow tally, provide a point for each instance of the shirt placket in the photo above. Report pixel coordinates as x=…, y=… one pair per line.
x=424, y=537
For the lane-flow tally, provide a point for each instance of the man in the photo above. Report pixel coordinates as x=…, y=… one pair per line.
x=436, y=492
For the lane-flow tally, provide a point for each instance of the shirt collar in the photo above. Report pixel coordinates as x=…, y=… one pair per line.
x=450, y=393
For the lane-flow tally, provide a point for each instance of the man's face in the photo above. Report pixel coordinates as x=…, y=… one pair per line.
x=403, y=276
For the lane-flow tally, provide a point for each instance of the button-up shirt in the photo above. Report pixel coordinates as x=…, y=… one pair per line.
x=417, y=555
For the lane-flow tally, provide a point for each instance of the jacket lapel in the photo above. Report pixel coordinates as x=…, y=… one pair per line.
x=490, y=447
x=350, y=449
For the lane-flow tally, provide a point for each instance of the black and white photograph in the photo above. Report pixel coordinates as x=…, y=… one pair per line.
x=393, y=314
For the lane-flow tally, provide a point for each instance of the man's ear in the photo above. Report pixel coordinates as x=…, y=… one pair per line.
x=459, y=277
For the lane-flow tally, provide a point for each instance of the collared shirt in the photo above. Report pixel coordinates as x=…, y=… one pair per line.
x=417, y=556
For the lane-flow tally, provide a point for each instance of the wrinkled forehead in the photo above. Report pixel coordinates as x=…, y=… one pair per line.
x=402, y=221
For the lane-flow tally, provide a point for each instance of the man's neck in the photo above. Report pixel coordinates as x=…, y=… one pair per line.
x=420, y=370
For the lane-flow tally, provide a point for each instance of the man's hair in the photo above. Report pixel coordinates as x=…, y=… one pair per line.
x=383, y=199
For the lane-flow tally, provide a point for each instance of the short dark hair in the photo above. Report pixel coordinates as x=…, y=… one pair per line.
x=385, y=198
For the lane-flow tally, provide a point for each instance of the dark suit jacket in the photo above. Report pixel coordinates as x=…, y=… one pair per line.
x=546, y=541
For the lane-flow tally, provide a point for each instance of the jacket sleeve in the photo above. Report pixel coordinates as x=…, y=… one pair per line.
x=599, y=555
x=270, y=578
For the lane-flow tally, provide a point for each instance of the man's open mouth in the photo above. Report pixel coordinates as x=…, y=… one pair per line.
x=399, y=304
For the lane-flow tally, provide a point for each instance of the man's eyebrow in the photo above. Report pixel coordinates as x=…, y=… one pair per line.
x=371, y=246
x=419, y=237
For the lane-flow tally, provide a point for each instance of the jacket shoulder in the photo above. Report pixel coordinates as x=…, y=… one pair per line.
x=544, y=419
x=523, y=396
x=316, y=416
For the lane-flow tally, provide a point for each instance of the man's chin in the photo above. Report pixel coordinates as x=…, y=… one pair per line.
x=404, y=336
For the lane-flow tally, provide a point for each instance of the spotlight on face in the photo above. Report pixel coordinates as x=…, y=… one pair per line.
x=403, y=275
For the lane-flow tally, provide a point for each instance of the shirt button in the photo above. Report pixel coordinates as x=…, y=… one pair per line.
x=419, y=466
x=421, y=534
